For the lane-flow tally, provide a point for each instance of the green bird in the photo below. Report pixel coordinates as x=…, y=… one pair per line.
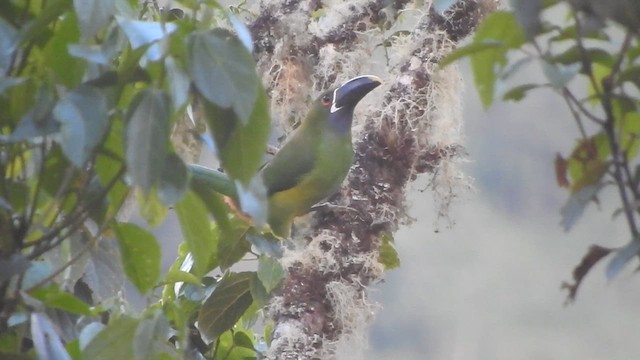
x=313, y=162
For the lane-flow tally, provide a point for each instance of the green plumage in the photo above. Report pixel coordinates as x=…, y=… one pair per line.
x=313, y=162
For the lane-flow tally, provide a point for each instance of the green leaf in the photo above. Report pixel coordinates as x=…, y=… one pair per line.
x=93, y=15
x=498, y=27
x=175, y=275
x=225, y=306
x=233, y=244
x=388, y=254
x=151, y=208
x=46, y=340
x=114, y=342
x=258, y=292
x=223, y=71
x=240, y=147
x=574, y=207
x=150, y=337
x=104, y=274
x=270, y=272
x=558, y=74
x=67, y=69
x=56, y=298
x=8, y=43
x=140, y=255
x=147, y=137
x=518, y=93
x=83, y=123
x=141, y=33
x=241, y=339
x=178, y=82
x=173, y=180
x=622, y=257
x=468, y=50
x=196, y=229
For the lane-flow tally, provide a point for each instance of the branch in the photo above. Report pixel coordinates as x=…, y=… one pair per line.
x=322, y=308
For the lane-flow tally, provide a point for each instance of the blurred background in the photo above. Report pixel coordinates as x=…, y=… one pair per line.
x=488, y=286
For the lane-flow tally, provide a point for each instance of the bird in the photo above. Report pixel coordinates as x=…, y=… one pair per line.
x=312, y=163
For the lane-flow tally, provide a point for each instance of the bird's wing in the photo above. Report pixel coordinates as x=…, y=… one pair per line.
x=289, y=166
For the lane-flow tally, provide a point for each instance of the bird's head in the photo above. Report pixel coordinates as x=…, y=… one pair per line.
x=338, y=103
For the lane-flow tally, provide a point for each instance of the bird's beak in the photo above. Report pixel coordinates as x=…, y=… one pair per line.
x=352, y=91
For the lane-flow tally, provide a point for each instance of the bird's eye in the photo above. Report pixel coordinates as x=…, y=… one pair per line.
x=326, y=100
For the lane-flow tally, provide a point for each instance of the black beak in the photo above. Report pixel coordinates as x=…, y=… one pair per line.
x=352, y=91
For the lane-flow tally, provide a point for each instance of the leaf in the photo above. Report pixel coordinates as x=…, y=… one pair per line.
x=223, y=71
x=8, y=43
x=233, y=244
x=240, y=146
x=498, y=27
x=196, y=229
x=150, y=337
x=141, y=33
x=518, y=93
x=89, y=332
x=147, y=137
x=241, y=339
x=54, y=297
x=574, y=207
x=173, y=180
x=178, y=82
x=622, y=257
x=471, y=49
x=560, y=166
x=93, y=15
x=258, y=292
x=104, y=274
x=265, y=244
x=67, y=69
x=15, y=264
x=37, y=122
x=388, y=254
x=270, y=272
x=83, y=123
x=46, y=341
x=558, y=74
x=114, y=342
x=140, y=255
x=151, y=208
x=527, y=13
x=225, y=306
x=589, y=260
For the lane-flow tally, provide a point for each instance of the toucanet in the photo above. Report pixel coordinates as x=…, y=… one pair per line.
x=312, y=163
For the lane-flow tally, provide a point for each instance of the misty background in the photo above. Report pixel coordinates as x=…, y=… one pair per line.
x=488, y=287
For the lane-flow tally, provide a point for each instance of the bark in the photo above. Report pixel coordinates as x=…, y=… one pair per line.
x=412, y=129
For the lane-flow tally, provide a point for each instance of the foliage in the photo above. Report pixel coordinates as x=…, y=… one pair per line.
x=575, y=51
x=90, y=91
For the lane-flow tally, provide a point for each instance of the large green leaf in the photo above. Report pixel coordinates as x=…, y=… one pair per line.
x=140, y=255
x=196, y=229
x=150, y=338
x=270, y=272
x=113, y=342
x=147, y=137
x=54, y=297
x=233, y=244
x=103, y=273
x=240, y=146
x=223, y=71
x=225, y=306
x=498, y=33
x=93, y=15
x=8, y=43
x=83, y=122
x=173, y=180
